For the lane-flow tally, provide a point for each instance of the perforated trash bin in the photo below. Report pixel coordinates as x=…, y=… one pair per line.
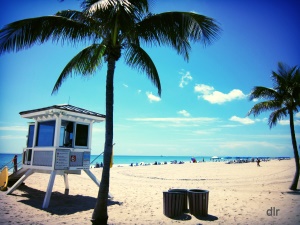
x=173, y=203
x=198, y=202
x=185, y=201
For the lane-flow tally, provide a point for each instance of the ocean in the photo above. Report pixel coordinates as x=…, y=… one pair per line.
x=6, y=159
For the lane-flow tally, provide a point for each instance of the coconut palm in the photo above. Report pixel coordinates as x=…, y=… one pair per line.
x=112, y=28
x=283, y=100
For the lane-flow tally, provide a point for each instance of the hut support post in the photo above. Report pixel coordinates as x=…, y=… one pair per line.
x=66, y=184
x=49, y=189
x=20, y=181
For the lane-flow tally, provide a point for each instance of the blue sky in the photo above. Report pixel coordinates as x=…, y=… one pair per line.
x=204, y=102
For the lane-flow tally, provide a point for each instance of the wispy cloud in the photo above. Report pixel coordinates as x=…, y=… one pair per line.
x=152, y=97
x=98, y=130
x=287, y=122
x=242, y=145
x=207, y=131
x=185, y=78
x=139, y=91
x=184, y=113
x=14, y=128
x=209, y=94
x=125, y=85
x=176, y=119
x=12, y=137
x=245, y=120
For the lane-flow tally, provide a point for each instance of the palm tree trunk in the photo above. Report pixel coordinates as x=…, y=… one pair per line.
x=296, y=154
x=100, y=215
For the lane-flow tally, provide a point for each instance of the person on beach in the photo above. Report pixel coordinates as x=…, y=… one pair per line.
x=258, y=161
x=15, y=162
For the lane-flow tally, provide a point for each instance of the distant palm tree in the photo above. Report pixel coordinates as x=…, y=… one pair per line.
x=284, y=100
x=114, y=28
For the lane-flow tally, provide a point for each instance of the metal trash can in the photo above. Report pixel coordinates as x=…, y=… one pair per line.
x=172, y=203
x=198, y=202
x=185, y=201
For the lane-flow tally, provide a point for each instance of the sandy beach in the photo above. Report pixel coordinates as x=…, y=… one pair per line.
x=238, y=194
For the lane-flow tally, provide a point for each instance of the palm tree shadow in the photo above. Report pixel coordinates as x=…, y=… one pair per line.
x=60, y=204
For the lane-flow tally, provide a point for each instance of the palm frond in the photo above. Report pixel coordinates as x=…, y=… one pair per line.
x=85, y=63
x=71, y=14
x=285, y=77
x=96, y=28
x=260, y=92
x=178, y=29
x=137, y=58
x=276, y=116
x=102, y=5
x=264, y=107
x=25, y=33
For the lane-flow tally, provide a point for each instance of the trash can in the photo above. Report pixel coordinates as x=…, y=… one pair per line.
x=198, y=202
x=172, y=203
x=185, y=201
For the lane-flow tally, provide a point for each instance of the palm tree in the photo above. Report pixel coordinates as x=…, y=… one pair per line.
x=114, y=28
x=284, y=100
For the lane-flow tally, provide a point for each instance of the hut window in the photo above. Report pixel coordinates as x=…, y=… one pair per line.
x=82, y=132
x=66, y=134
x=30, y=136
x=45, y=134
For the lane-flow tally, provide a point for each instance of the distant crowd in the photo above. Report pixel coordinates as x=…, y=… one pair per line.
x=194, y=160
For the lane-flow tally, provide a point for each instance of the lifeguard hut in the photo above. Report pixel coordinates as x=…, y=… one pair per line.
x=58, y=142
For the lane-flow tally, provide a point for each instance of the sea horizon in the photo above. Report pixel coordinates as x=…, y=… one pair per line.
x=123, y=160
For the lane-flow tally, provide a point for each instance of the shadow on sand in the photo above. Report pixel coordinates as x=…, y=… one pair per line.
x=60, y=204
x=186, y=216
x=207, y=218
x=183, y=217
x=296, y=192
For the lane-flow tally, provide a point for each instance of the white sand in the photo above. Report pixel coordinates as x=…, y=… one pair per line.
x=238, y=194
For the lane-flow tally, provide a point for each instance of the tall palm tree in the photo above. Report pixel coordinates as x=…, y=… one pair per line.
x=114, y=28
x=284, y=100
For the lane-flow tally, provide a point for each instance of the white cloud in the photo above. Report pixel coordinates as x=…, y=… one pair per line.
x=203, y=89
x=139, y=91
x=245, y=120
x=184, y=113
x=152, y=97
x=297, y=115
x=185, y=78
x=14, y=128
x=125, y=85
x=209, y=94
